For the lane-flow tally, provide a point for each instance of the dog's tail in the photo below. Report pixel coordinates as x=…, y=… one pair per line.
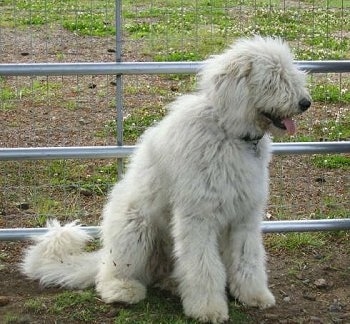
x=58, y=258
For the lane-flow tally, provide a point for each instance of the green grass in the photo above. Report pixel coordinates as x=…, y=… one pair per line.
x=177, y=30
x=90, y=24
x=74, y=175
x=295, y=241
x=35, y=305
x=313, y=28
x=331, y=93
x=160, y=307
x=37, y=91
x=135, y=123
x=84, y=17
x=331, y=161
x=10, y=318
x=78, y=305
x=85, y=306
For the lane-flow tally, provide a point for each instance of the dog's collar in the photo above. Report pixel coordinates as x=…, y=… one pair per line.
x=249, y=138
x=253, y=141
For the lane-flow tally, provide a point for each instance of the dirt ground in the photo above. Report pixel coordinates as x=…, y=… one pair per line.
x=311, y=285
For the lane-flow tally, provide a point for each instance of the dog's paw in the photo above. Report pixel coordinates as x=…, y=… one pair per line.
x=124, y=291
x=207, y=310
x=262, y=298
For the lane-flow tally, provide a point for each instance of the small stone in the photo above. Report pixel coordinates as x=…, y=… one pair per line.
x=286, y=299
x=320, y=283
x=319, y=256
x=271, y=316
x=320, y=179
x=344, y=316
x=336, y=306
x=86, y=192
x=113, y=312
x=82, y=121
x=309, y=296
x=4, y=300
x=23, y=205
x=174, y=88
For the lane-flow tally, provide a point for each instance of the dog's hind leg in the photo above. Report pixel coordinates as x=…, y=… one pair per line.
x=128, y=242
x=245, y=260
x=198, y=267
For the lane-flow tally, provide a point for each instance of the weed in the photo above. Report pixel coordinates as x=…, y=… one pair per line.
x=78, y=305
x=330, y=93
x=296, y=241
x=331, y=161
x=90, y=24
x=10, y=318
x=35, y=306
x=161, y=307
x=178, y=56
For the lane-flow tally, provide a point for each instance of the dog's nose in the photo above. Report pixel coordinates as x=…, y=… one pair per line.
x=304, y=104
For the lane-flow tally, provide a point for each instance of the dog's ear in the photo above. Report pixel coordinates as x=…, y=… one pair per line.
x=241, y=69
x=235, y=72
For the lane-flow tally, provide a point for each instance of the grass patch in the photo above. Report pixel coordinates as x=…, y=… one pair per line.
x=85, y=306
x=315, y=28
x=160, y=307
x=91, y=18
x=90, y=24
x=35, y=305
x=295, y=241
x=332, y=130
x=73, y=175
x=78, y=305
x=10, y=318
x=190, y=31
x=331, y=93
x=37, y=90
x=331, y=161
x=134, y=124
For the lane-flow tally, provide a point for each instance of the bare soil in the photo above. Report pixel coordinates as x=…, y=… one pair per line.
x=312, y=285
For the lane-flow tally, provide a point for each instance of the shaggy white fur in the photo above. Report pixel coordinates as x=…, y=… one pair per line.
x=191, y=203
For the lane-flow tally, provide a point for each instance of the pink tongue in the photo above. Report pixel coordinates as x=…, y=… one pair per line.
x=290, y=125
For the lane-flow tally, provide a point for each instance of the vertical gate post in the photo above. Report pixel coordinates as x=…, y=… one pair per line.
x=119, y=81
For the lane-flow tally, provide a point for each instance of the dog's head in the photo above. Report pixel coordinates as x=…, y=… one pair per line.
x=257, y=78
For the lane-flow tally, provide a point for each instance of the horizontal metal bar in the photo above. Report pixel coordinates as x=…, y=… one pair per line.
x=102, y=152
x=31, y=69
x=21, y=234
x=314, y=225
x=54, y=153
x=311, y=147
x=16, y=234
x=98, y=68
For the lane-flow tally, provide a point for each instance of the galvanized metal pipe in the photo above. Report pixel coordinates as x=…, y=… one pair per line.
x=119, y=82
x=101, y=152
x=31, y=69
x=17, y=234
x=306, y=225
x=55, y=153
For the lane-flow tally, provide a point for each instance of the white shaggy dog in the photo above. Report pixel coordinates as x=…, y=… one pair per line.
x=191, y=204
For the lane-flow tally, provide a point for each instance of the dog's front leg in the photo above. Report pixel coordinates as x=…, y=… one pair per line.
x=245, y=259
x=198, y=267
